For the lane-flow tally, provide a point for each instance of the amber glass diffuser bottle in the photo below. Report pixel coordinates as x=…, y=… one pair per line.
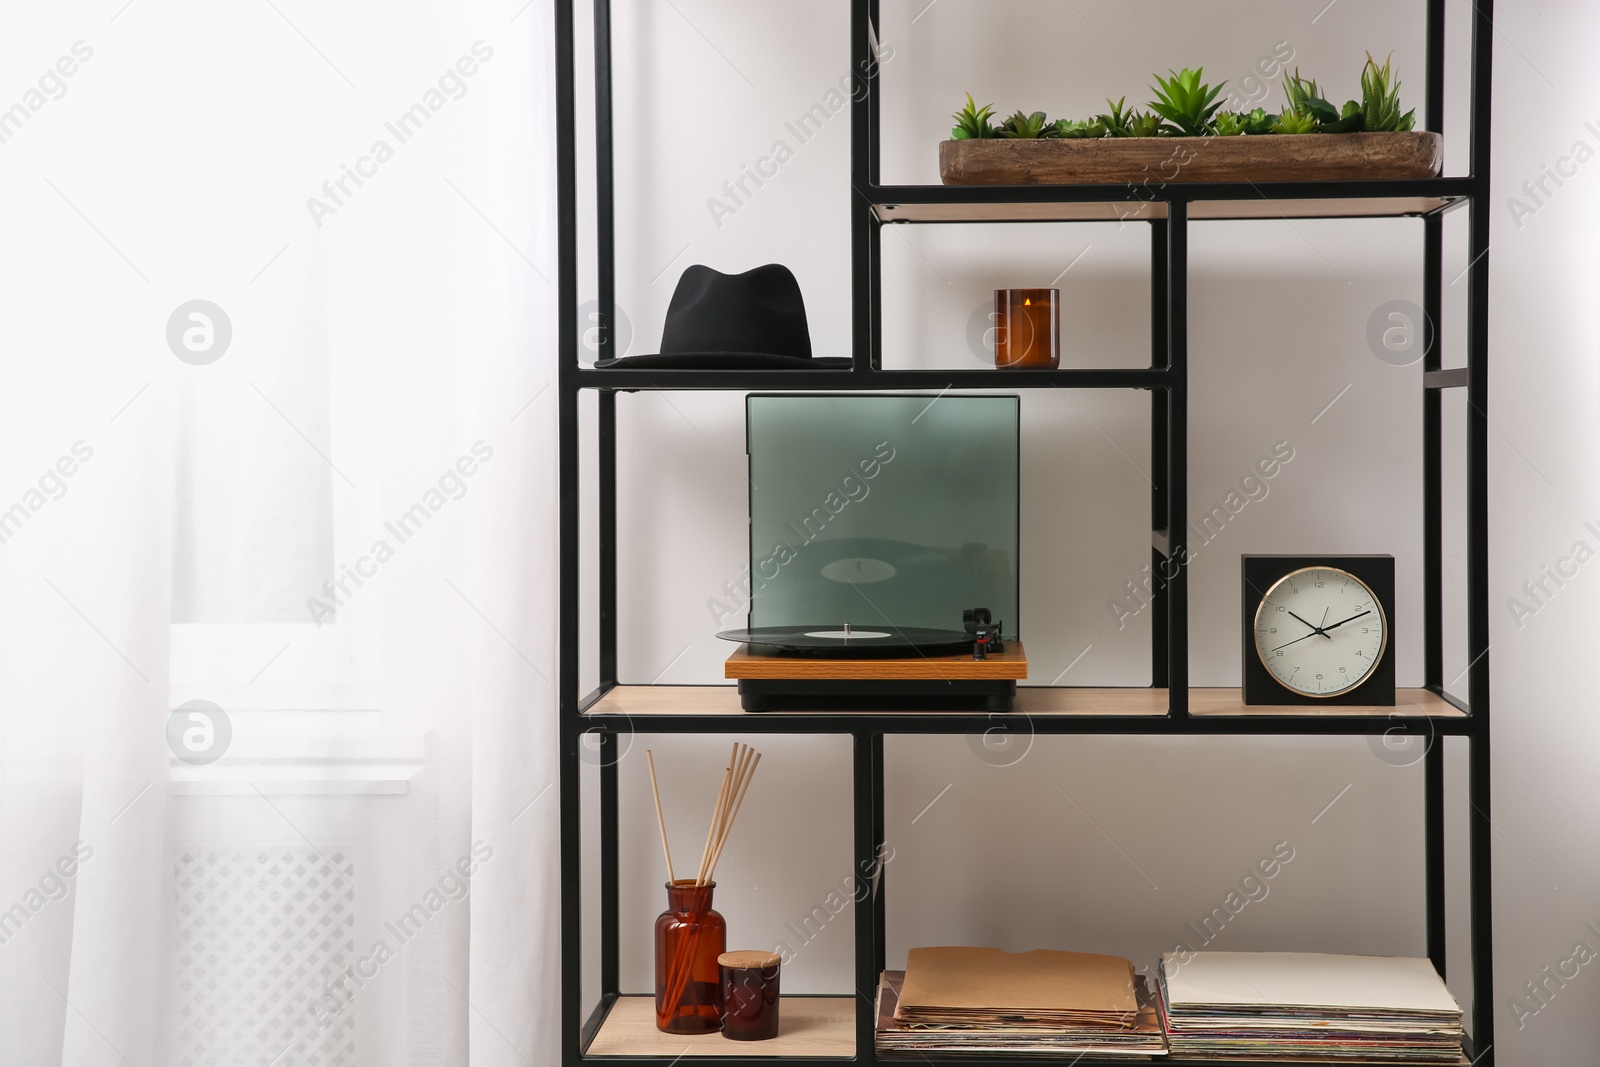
x=689, y=938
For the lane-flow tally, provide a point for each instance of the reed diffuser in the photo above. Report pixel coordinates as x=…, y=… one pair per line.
x=690, y=935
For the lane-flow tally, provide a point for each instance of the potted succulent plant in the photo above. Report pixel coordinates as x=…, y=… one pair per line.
x=1187, y=136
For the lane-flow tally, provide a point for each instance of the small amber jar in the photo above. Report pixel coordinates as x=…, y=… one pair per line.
x=689, y=938
x=1027, y=329
x=749, y=995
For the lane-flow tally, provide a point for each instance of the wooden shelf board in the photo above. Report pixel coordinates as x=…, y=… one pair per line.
x=1067, y=211
x=1146, y=211
x=813, y=1027
x=1332, y=208
x=638, y=701
x=1408, y=702
x=808, y=1026
x=642, y=701
x=1042, y=700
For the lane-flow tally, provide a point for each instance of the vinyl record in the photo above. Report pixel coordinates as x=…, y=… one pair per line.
x=859, y=642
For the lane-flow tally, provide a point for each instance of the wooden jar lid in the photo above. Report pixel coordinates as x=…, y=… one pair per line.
x=749, y=959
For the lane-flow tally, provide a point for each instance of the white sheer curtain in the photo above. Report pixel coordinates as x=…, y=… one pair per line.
x=335, y=531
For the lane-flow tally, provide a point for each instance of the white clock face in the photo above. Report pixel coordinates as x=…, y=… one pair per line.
x=1320, y=631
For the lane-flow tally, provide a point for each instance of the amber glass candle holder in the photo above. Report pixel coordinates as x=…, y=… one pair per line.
x=1027, y=329
x=689, y=938
x=749, y=995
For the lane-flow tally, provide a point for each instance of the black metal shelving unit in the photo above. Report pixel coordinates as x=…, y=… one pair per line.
x=615, y=709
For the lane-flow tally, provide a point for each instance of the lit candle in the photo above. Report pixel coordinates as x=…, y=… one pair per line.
x=1027, y=328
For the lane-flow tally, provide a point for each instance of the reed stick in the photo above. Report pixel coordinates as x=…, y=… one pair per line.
x=739, y=765
x=741, y=758
x=660, y=822
x=741, y=755
x=736, y=799
x=716, y=816
x=750, y=773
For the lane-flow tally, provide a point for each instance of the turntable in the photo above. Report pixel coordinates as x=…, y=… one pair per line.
x=851, y=668
x=877, y=521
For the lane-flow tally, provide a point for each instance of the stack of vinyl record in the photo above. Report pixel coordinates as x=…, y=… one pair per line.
x=979, y=1000
x=1306, y=1006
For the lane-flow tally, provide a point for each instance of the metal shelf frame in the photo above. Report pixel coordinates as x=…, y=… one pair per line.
x=1166, y=379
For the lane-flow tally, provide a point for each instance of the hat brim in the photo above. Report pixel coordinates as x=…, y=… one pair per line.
x=724, y=361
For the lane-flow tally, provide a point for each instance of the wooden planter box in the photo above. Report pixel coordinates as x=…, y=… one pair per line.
x=1158, y=160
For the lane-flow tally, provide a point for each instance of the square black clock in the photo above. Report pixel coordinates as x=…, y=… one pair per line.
x=1318, y=630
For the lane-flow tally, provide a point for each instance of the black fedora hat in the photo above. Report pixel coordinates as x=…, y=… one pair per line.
x=716, y=321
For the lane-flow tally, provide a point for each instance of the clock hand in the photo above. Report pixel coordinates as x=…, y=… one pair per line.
x=1313, y=625
x=1297, y=640
x=1352, y=618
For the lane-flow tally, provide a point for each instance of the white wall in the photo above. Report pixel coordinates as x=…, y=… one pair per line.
x=1114, y=844
x=1545, y=487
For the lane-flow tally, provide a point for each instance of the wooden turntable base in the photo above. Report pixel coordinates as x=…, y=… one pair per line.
x=1010, y=665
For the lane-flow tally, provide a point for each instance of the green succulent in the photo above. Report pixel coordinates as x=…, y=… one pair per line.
x=1227, y=124
x=1073, y=129
x=1380, y=101
x=1022, y=127
x=1116, y=120
x=1350, y=120
x=1144, y=124
x=1305, y=99
x=972, y=122
x=1186, y=101
x=1289, y=122
x=1258, y=121
x=1186, y=105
